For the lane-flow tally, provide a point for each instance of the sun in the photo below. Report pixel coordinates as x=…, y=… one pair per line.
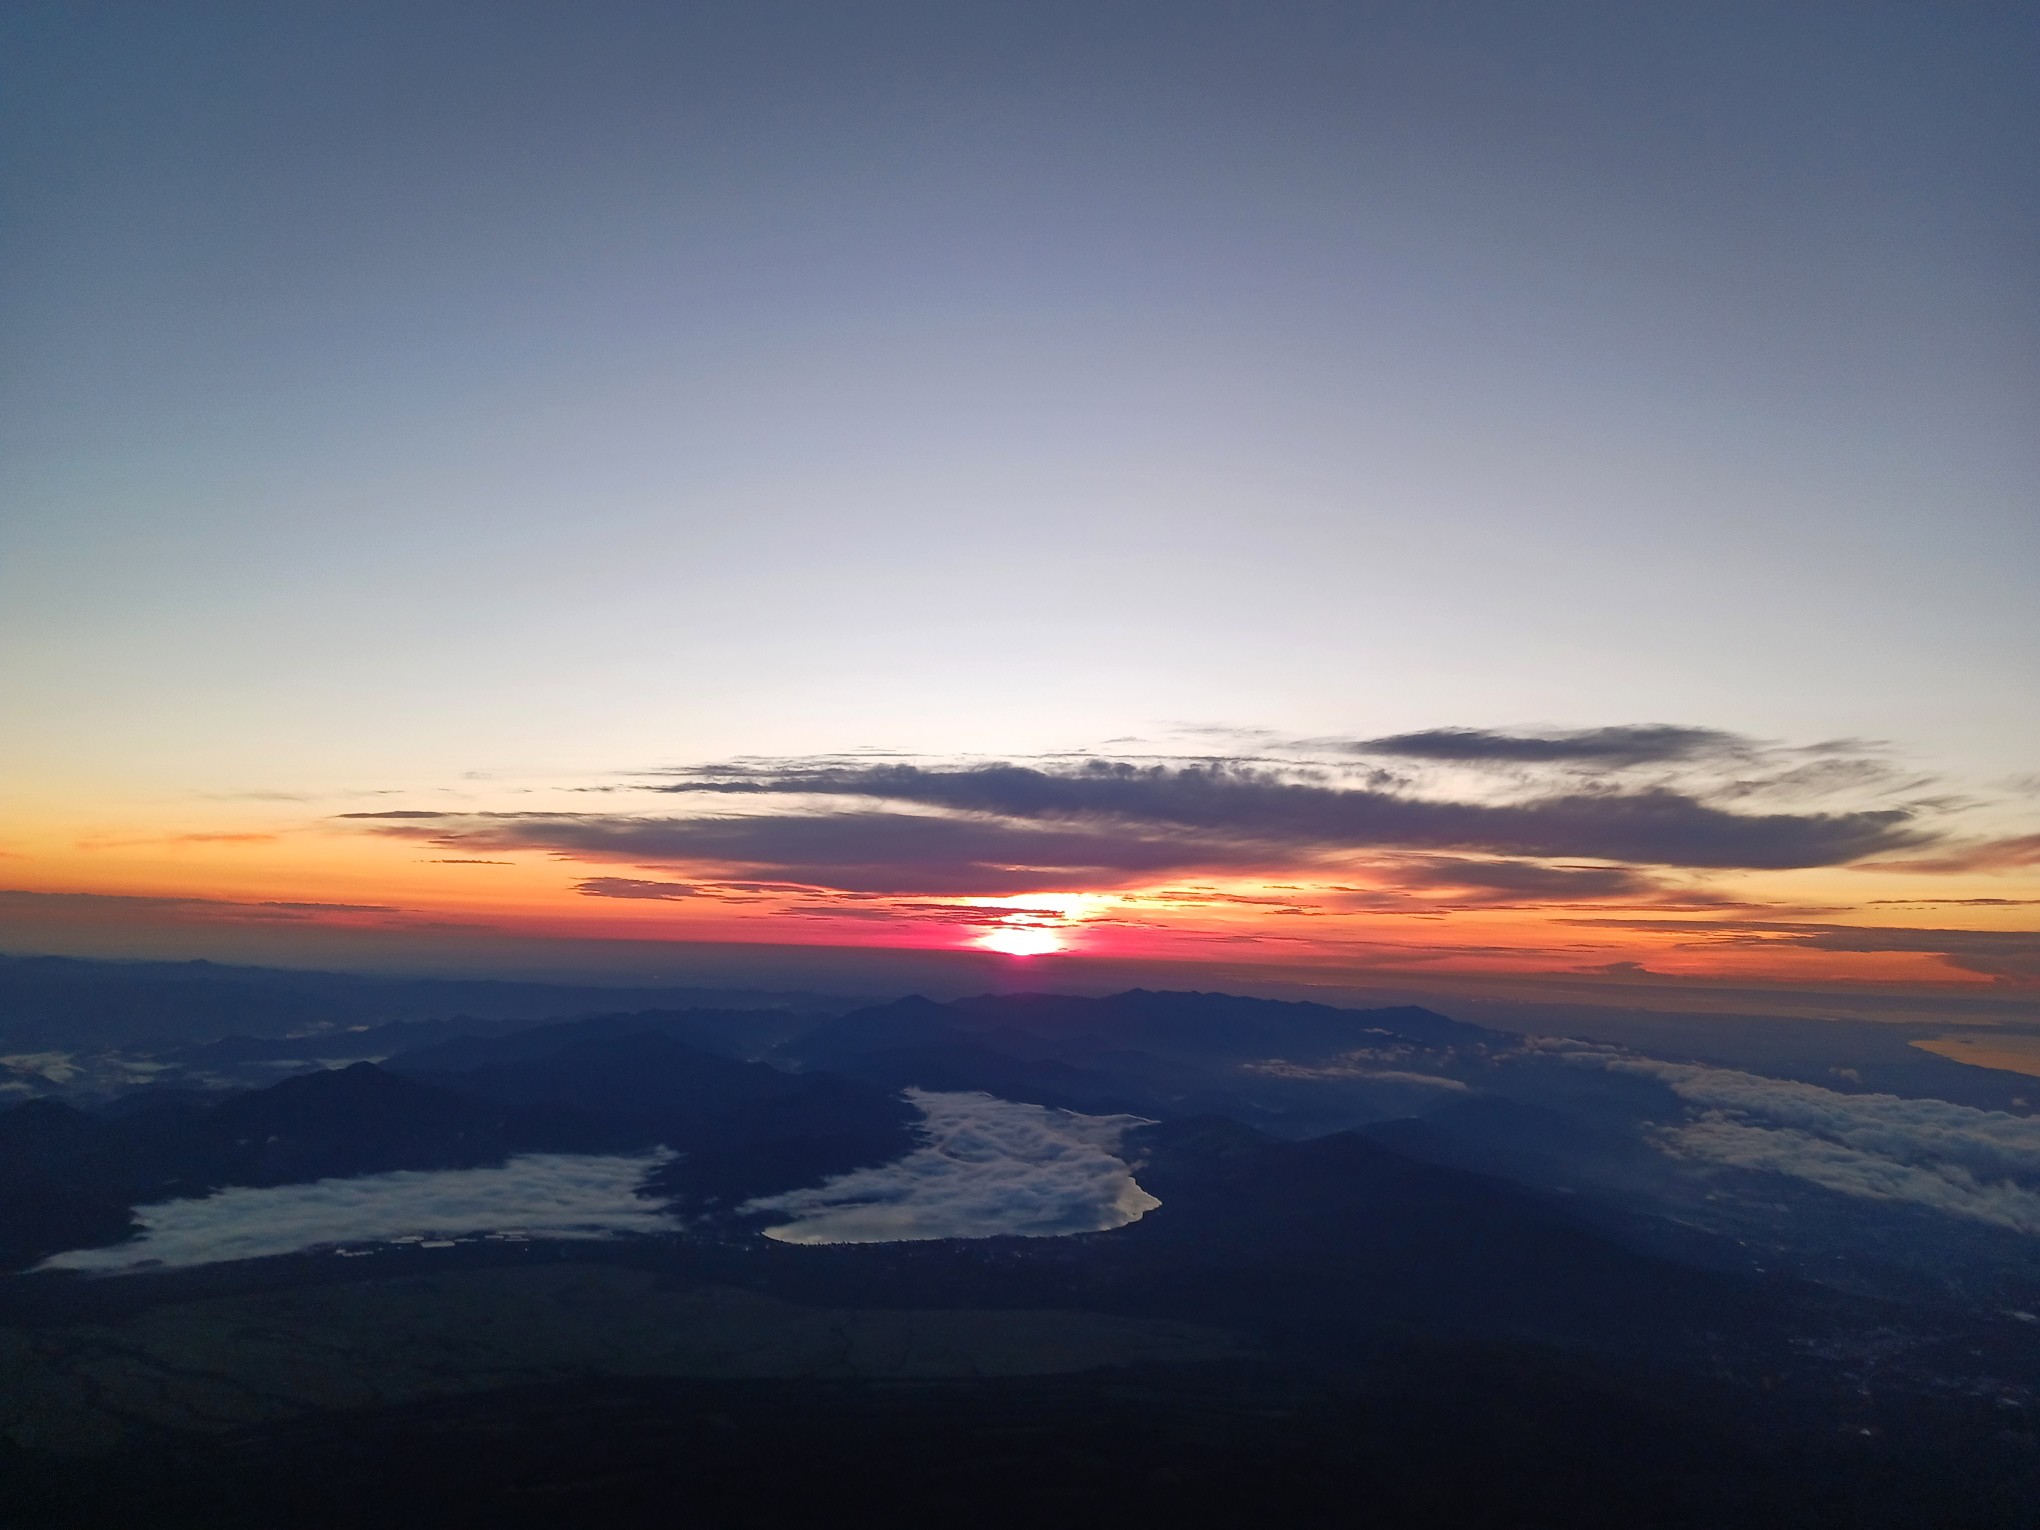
x=1021, y=940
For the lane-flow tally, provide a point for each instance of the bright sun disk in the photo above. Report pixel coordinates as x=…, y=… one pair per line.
x=1021, y=940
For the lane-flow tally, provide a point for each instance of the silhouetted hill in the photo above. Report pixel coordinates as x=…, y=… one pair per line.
x=955, y=1064
x=365, y=1120
x=743, y=1128
x=67, y=1179
x=159, y=1099
x=64, y=1002
x=726, y=1033
x=54, y=1162
x=1155, y=1054
x=1203, y=1027
x=642, y=1074
x=40, y=1132
x=369, y=1044
x=1520, y=1140
x=1340, y=1233
x=37, y=1220
x=1328, y=1248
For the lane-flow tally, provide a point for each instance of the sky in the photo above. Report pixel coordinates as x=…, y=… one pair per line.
x=1534, y=492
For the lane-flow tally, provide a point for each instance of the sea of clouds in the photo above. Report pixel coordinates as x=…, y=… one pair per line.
x=989, y=1168
x=1980, y=1164
x=547, y=1195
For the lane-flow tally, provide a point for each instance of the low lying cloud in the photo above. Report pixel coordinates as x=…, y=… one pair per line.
x=990, y=1168
x=1720, y=1138
x=1980, y=1164
x=552, y=1195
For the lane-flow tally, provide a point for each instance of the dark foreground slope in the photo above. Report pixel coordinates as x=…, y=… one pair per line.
x=1426, y=1435
x=1328, y=1330
x=1302, y=1333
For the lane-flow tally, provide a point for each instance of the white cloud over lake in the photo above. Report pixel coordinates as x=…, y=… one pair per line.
x=989, y=1168
x=551, y=1195
x=1980, y=1164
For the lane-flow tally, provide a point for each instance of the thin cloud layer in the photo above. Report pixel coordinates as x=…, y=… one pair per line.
x=635, y=887
x=1722, y=1139
x=991, y=1168
x=1980, y=1164
x=138, y=904
x=1622, y=745
x=1992, y=855
x=552, y=1195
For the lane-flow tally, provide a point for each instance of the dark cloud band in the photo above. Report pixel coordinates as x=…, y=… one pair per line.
x=1653, y=826
x=2009, y=956
x=1630, y=744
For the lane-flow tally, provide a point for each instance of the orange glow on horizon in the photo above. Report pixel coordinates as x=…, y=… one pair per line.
x=229, y=878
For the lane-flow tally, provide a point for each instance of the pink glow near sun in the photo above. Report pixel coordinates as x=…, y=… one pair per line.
x=1039, y=923
x=1021, y=940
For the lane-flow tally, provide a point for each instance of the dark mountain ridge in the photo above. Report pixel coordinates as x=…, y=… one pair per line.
x=69, y=1179
x=736, y=1034
x=958, y=1064
x=1206, y=1027
x=73, y=1003
x=1341, y=1232
x=742, y=1128
x=63, y=1172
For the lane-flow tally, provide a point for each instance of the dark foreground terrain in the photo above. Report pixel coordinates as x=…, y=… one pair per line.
x=1074, y=1381
x=1400, y=1271
x=1476, y=1436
